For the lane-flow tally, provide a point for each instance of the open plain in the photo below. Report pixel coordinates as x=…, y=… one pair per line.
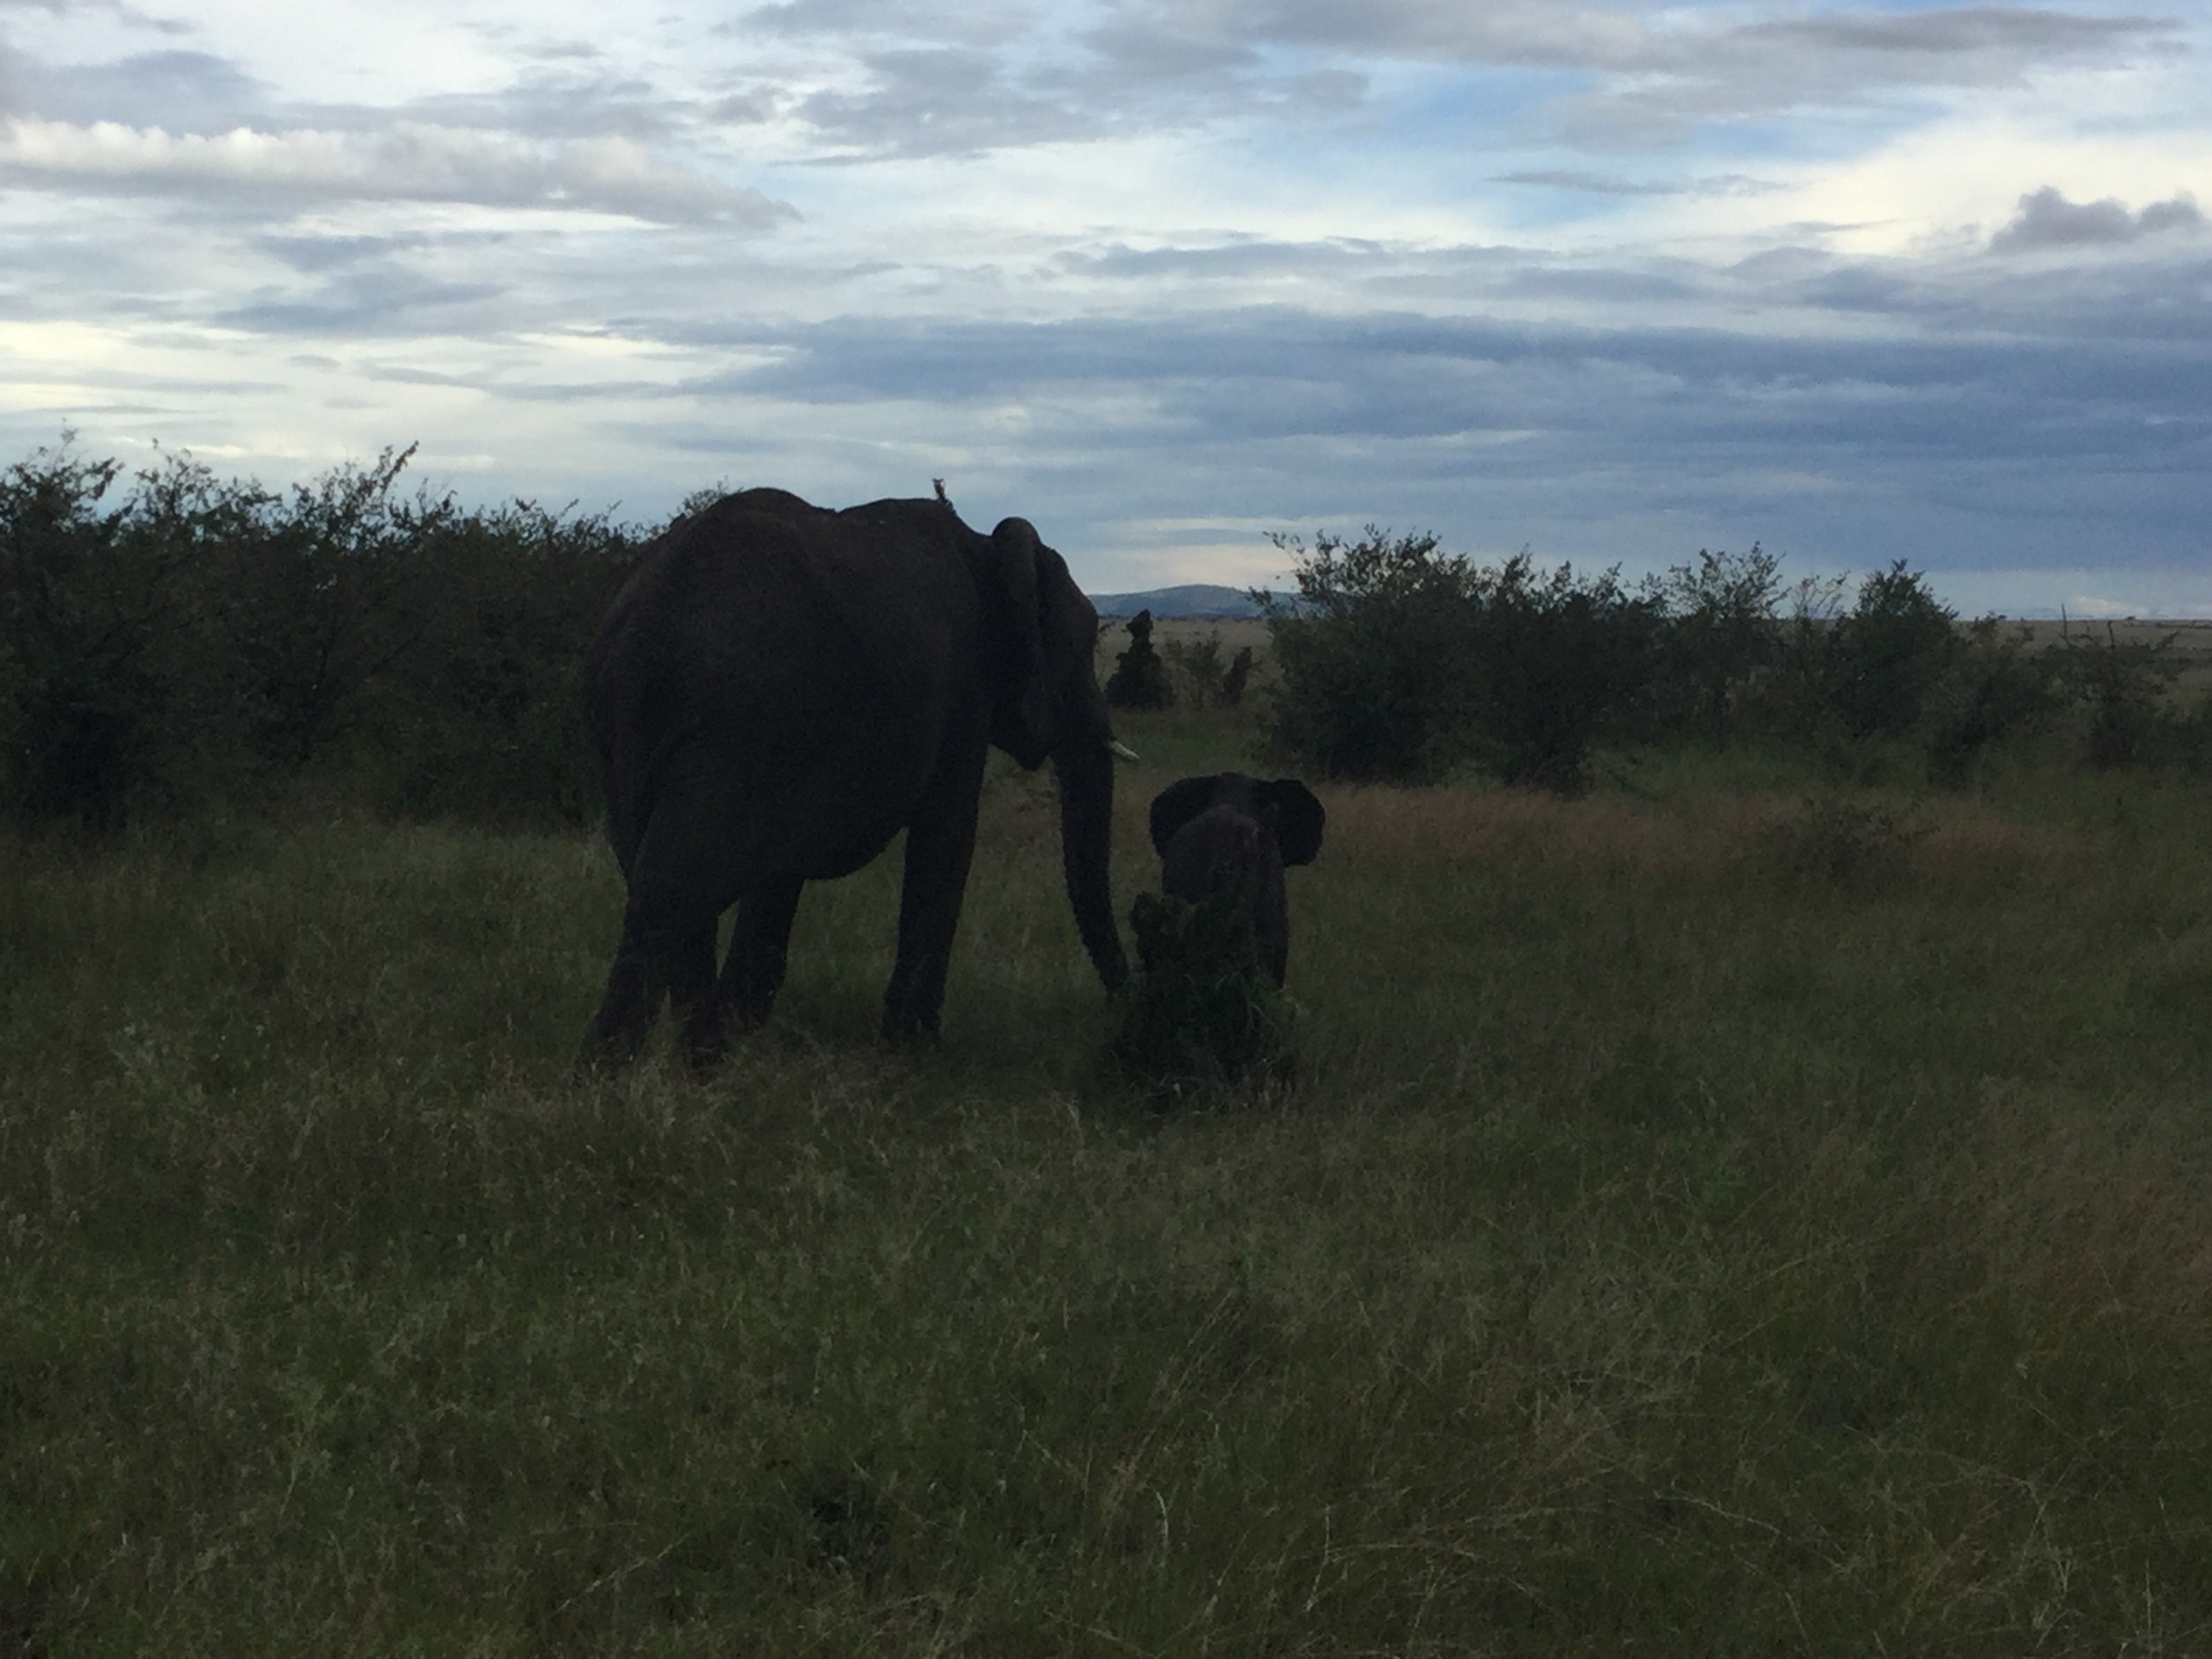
x=1722, y=1214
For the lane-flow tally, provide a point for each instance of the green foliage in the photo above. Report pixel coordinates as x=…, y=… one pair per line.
x=2121, y=687
x=1238, y=676
x=1717, y=634
x=1888, y=655
x=1194, y=672
x=482, y=717
x=1997, y=687
x=1848, y=843
x=1374, y=672
x=1203, y=1014
x=1194, y=668
x=1564, y=661
x=1197, y=676
x=1139, y=679
x=89, y=608
x=202, y=640
x=1400, y=662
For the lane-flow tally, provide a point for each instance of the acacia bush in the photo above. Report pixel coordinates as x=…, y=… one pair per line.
x=1197, y=677
x=483, y=718
x=2120, y=686
x=1996, y=687
x=171, y=639
x=1373, y=662
x=1562, y=662
x=1717, y=636
x=1888, y=654
x=1400, y=662
x=114, y=686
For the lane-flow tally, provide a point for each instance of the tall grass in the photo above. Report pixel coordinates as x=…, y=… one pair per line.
x=1715, y=1219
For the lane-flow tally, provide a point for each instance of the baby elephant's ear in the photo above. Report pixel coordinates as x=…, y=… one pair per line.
x=1177, y=805
x=1299, y=819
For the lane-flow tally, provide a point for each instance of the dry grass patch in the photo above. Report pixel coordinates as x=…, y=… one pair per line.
x=1411, y=828
x=2101, y=1208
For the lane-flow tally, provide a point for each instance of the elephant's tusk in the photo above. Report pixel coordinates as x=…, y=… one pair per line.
x=1121, y=751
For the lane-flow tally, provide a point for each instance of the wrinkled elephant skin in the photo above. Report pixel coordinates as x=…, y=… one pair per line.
x=777, y=691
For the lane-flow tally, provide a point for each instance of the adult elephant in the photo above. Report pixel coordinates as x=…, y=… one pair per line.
x=778, y=690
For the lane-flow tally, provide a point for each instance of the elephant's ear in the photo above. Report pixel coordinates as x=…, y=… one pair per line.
x=1177, y=805
x=1299, y=819
x=1026, y=690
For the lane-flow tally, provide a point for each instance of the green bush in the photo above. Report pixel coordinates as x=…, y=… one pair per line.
x=1889, y=654
x=1375, y=662
x=113, y=693
x=1401, y=663
x=201, y=640
x=1235, y=680
x=2120, y=689
x=482, y=716
x=1197, y=676
x=1565, y=661
x=1997, y=686
x=1717, y=634
x=1194, y=670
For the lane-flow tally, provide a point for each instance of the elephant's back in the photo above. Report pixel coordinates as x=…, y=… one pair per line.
x=792, y=656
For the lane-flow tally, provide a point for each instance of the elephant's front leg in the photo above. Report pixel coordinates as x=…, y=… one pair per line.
x=939, y=842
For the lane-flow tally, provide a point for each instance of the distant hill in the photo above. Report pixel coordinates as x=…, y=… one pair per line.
x=1193, y=599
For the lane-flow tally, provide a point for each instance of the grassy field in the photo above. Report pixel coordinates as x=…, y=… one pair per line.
x=1715, y=1217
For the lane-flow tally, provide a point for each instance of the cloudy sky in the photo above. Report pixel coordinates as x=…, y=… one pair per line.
x=1613, y=282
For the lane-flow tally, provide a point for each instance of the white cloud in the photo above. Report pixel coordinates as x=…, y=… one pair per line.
x=408, y=162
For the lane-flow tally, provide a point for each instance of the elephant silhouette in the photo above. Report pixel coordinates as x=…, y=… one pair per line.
x=1227, y=838
x=778, y=690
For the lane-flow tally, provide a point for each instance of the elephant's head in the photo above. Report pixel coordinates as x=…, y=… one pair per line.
x=1284, y=807
x=1049, y=707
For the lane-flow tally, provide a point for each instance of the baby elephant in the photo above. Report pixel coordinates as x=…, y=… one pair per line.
x=1229, y=834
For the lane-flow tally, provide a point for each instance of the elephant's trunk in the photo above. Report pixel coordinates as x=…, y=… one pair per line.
x=1086, y=770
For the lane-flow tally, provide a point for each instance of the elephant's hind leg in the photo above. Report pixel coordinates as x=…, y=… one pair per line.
x=759, y=940
x=760, y=947
x=667, y=949
x=650, y=964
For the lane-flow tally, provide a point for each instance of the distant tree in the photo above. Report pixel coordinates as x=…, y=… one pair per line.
x=1194, y=669
x=1232, y=682
x=1139, y=679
